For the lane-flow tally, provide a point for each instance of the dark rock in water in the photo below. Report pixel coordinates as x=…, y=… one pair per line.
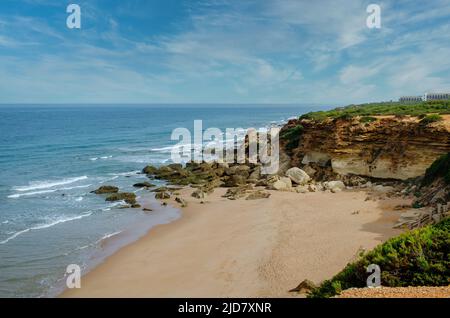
x=304, y=287
x=144, y=185
x=136, y=206
x=162, y=195
x=149, y=170
x=128, y=197
x=147, y=210
x=106, y=190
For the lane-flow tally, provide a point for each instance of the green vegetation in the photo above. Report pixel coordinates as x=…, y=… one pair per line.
x=379, y=109
x=439, y=169
x=293, y=136
x=432, y=118
x=415, y=258
x=367, y=119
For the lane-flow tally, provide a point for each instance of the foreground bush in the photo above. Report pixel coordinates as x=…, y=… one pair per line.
x=415, y=258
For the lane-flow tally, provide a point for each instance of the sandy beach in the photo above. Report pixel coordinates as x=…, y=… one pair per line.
x=260, y=248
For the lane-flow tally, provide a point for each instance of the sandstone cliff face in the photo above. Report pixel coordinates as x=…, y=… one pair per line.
x=390, y=148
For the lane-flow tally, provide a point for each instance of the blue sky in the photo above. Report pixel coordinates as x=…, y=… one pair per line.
x=221, y=51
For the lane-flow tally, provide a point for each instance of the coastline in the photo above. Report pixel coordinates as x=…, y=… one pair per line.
x=239, y=248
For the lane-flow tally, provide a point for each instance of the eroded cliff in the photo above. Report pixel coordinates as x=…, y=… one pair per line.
x=387, y=147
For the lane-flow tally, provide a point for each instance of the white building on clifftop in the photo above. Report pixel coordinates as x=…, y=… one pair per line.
x=425, y=97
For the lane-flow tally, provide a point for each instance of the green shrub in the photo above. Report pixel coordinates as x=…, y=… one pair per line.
x=431, y=119
x=415, y=258
x=438, y=169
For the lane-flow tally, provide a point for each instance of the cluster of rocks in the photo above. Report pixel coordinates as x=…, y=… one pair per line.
x=113, y=195
x=242, y=179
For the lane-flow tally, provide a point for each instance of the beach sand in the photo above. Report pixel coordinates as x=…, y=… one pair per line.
x=260, y=248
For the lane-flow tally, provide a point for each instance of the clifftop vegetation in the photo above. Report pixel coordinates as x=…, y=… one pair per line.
x=379, y=109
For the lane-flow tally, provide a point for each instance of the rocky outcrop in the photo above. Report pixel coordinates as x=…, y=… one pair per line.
x=128, y=197
x=106, y=190
x=388, y=148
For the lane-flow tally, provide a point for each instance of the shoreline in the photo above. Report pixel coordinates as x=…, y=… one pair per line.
x=239, y=248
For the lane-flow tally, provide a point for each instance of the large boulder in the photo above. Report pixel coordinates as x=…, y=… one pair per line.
x=334, y=186
x=298, y=176
x=284, y=184
x=106, y=190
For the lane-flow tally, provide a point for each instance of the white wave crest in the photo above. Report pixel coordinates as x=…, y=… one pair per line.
x=39, y=185
x=45, y=226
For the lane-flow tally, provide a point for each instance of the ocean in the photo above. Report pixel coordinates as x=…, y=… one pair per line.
x=52, y=157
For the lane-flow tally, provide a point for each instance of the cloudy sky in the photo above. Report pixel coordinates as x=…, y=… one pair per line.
x=222, y=51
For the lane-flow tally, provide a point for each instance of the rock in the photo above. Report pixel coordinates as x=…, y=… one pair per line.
x=310, y=171
x=279, y=186
x=128, y=197
x=312, y=188
x=304, y=287
x=238, y=192
x=149, y=170
x=198, y=194
x=235, y=181
x=258, y=195
x=255, y=175
x=301, y=189
x=163, y=195
x=181, y=201
x=106, y=190
x=367, y=185
x=147, y=210
x=143, y=185
x=175, y=166
x=334, y=186
x=298, y=176
x=136, y=206
x=383, y=189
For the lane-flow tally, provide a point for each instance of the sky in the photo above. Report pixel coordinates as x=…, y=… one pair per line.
x=222, y=51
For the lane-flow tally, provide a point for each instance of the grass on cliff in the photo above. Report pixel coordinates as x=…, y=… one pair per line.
x=415, y=258
x=439, y=169
x=379, y=109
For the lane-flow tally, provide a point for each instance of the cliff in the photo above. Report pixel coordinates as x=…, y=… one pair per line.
x=388, y=147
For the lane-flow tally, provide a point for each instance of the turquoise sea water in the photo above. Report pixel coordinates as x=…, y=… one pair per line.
x=52, y=157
